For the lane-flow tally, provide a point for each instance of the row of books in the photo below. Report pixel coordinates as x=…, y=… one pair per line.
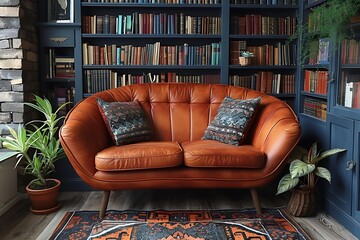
x=315, y=108
x=350, y=51
x=352, y=94
x=59, y=66
x=159, y=1
x=265, y=2
x=151, y=23
x=277, y=54
x=151, y=54
x=62, y=95
x=266, y=82
x=316, y=81
x=319, y=51
x=256, y=24
x=103, y=79
x=350, y=89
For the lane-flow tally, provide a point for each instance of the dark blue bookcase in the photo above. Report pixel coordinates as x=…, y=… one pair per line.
x=340, y=129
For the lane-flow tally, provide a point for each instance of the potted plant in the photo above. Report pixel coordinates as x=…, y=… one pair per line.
x=38, y=147
x=303, y=176
x=245, y=58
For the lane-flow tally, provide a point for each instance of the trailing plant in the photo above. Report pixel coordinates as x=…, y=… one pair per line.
x=36, y=143
x=328, y=20
x=304, y=169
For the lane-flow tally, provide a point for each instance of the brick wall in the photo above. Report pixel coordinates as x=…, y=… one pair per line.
x=18, y=60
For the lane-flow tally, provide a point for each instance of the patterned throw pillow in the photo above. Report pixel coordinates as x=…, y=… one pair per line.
x=232, y=120
x=126, y=121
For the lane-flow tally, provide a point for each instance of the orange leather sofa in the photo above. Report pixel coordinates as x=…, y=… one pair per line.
x=176, y=157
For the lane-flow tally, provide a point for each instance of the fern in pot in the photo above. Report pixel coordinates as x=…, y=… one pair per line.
x=303, y=175
x=38, y=148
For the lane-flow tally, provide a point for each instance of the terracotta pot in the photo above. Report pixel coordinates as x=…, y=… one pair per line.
x=44, y=201
x=302, y=202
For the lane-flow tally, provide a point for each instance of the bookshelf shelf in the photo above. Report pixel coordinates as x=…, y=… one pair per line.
x=150, y=5
x=156, y=67
x=264, y=6
x=60, y=80
x=258, y=37
x=316, y=66
x=350, y=66
x=58, y=25
x=315, y=95
x=152, y=36
x=263, y=67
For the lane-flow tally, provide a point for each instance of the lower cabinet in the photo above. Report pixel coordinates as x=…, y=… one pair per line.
x=342, y=196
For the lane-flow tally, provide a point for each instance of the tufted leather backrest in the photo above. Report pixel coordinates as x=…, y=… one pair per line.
x=182, y=112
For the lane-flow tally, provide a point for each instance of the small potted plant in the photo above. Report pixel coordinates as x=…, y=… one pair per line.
x=38, y=147
x=303, y=176
x=245, y=58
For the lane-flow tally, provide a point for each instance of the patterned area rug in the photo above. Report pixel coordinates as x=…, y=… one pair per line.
x=182, y=224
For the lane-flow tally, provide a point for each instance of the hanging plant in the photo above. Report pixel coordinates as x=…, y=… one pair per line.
x=328, y=20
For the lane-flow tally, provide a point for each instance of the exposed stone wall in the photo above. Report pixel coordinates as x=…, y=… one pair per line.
x=18, y=60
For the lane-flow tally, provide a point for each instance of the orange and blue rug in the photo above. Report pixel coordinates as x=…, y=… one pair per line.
x=180, y=224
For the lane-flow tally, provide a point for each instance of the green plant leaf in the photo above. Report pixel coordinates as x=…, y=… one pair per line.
x=17, y=140
x=312, y=152
x=328, y=153
x=323, y=173
x=299, y=168
x=286, y=183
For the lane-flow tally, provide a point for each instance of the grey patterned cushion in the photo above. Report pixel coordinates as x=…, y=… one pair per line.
x=126, y=121
x=232, y=120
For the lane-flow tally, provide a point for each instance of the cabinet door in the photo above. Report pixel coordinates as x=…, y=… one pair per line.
x=338, y=193
x=356, y=179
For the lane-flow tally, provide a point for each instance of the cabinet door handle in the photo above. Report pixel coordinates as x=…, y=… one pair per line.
x=58, y=40
x=350, y=165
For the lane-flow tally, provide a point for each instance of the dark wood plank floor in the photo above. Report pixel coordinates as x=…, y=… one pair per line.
x=20, y=224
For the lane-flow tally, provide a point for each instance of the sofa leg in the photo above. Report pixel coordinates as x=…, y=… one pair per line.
x=256, y=200
x=104, y=203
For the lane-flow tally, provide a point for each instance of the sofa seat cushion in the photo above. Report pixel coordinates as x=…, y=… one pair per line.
x=144, y=155
x=211, y=153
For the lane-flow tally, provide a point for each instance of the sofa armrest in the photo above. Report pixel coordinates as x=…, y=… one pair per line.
x=83, y=135
x=276, y=134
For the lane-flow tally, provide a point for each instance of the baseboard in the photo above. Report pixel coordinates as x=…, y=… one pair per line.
x=11, y=203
